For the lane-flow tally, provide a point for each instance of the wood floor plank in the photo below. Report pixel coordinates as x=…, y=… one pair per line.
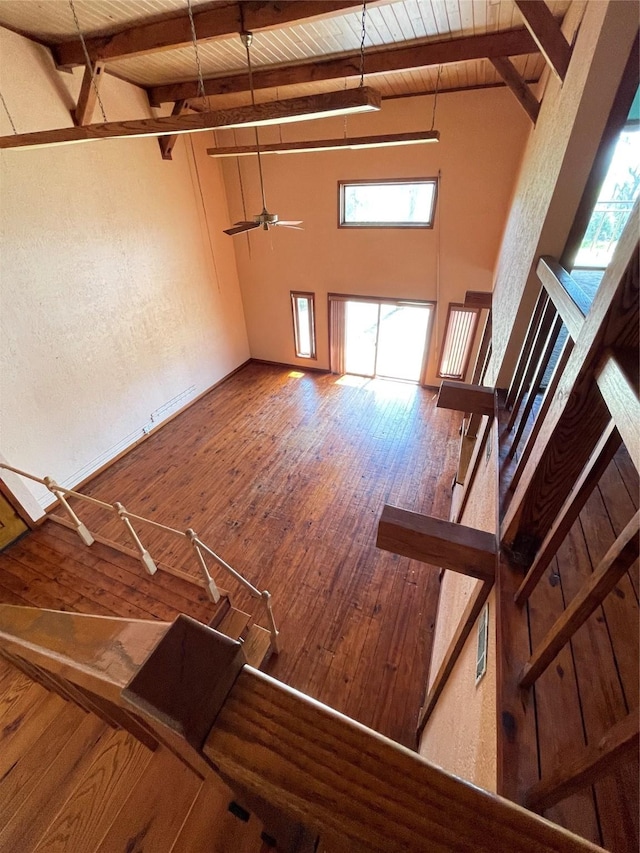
x=34, y=813
x=19, y=728
x=23, y=776
x=211, y=827
x=151, y=817
x=17, y=689
x=285, y=478
x=87, y=814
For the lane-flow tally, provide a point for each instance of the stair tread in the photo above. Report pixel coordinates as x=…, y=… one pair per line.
x=233, y=623
x=257, y=646
x=24, y=775
x=211, y=826
x=34, y=813
x=153, y=814
x=91, y=807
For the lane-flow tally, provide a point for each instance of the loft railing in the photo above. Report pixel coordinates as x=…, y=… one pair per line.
x=187, y=687
x=591, y=405
x=127, y=518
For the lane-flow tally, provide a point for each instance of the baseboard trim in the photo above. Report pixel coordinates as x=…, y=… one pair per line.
x=302, y=367
x=148, y=435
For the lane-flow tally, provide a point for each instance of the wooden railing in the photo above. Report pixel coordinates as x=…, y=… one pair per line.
x=590, y=407
x=186, y=686
x=190, y=537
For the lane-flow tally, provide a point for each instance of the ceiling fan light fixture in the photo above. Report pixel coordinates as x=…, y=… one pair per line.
x=307, y=108
x=349, y=143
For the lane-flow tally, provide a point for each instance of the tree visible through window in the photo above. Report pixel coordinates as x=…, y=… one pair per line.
x=389, y=203
x=620, y=189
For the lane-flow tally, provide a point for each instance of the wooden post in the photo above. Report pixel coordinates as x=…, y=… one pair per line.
x=275, y=644
x=78, y=525
x=88, y=93
x=145, y=556
x=212, y=589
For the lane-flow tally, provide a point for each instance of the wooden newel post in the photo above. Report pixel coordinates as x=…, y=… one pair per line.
x=214, y=592
x=275, y=644
x=183, y=684
x=80, y=526
x=145, y=556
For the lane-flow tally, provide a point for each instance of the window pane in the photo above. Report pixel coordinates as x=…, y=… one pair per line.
x=388, y=203
x=304, y=337
x=619, y=191
x=303, y=324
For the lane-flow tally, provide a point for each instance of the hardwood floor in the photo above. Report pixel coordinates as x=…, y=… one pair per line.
x=284, y=474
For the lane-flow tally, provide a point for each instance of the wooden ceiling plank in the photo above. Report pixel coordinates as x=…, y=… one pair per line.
x=88, y=96
x=547, y=34
x=295, y=109
x=511, y=43
x=514, y=81
x=223, y=20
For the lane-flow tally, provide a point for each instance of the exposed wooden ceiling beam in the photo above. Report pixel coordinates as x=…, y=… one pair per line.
x=88, y=93
x=514, y=81
x=276, y=112
x=413, y=55
x=547, y=34
x=167, y=142
x=223, y=20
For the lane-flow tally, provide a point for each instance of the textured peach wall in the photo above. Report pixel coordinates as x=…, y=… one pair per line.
x=112, y=302
x=461, y=732
x=482, y=139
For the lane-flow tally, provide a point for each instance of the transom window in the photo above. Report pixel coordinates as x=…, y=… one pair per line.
x=392, y=203
x=304, y=324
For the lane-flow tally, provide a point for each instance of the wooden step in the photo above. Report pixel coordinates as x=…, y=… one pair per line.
x=219, y=611
x=234, y=623
x=257, y=646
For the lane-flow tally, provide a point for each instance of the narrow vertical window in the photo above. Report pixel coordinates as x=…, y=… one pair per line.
x=458, y=341
x=304, y=324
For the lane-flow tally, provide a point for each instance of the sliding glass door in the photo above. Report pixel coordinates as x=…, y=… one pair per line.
x=385, y=338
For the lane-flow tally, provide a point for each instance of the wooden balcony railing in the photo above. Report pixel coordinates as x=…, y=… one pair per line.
x=187, y=687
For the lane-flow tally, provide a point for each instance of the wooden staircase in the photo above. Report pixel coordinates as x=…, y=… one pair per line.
x=71, y=782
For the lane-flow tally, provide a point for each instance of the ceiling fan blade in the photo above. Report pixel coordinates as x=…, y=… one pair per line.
x=293, y=227
x=240, y=227
x=290, y=223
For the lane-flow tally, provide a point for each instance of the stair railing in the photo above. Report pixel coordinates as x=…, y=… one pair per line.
x=188, y=687
x=127, y=518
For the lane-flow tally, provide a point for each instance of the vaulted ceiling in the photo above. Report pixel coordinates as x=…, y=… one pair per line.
x=300, y=47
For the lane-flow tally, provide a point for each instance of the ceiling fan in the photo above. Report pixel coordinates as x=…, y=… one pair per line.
x=264, y=220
